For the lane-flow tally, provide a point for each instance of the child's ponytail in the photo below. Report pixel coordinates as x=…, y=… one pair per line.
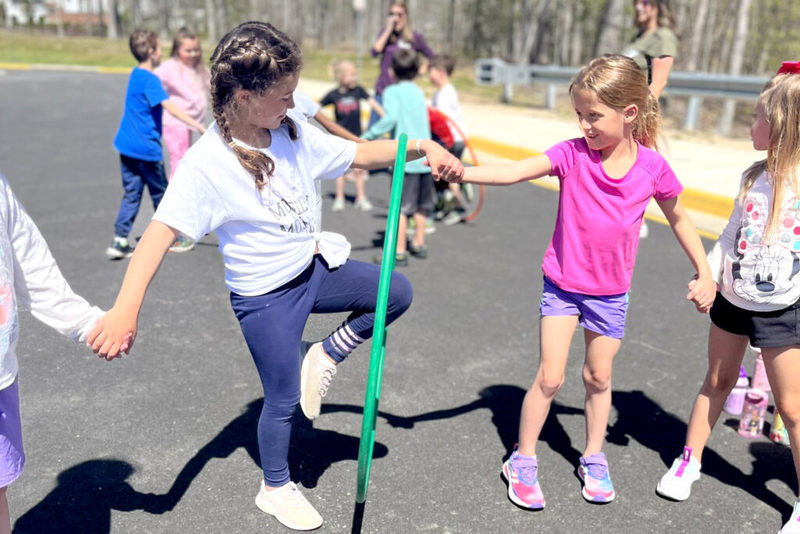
x=647, y=127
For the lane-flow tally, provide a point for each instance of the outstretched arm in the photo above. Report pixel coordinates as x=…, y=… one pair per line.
x=702, y=290
x=509, y=173
x=336, y=129
x=116, y=331
x=381, y=153
x=182, y=116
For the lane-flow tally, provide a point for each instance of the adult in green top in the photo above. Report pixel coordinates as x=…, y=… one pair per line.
x=655, y=46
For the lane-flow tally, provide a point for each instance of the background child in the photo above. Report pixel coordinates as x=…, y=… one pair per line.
x=755, y=264
x=138, y=139
x=406, y=112
x=187, y=82
x=252, y=178
x=607, y=178
x=445, y=99
x=346, y=100
x=29, y=277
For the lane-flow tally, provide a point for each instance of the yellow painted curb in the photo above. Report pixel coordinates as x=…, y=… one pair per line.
x=15, y=66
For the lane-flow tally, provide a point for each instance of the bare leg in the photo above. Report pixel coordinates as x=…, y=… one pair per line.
x=555, y=334
x=340, y=188
x=402, y=231
x=358, y=176
x=420, y=218
x=5, y=516
x=600, y=352
x=783, y=371
x=725, y=353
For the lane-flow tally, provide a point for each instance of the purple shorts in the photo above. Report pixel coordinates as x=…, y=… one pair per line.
x=603, y=314
x=12, y=457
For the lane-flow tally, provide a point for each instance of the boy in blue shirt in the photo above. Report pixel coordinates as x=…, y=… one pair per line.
x=138, y=139
x=407, y=112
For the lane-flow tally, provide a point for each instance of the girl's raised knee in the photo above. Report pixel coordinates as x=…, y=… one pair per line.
x=400, y=293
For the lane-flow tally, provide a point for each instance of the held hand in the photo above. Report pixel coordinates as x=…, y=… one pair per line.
x=702, y=291
x=112, y=335
x=444, y=165
x=389, y=25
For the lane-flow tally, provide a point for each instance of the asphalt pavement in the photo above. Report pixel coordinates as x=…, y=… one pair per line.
x=163, y=441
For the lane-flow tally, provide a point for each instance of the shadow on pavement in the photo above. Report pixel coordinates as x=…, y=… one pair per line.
x=86, y=493
x=83, y=500
x=644, y=420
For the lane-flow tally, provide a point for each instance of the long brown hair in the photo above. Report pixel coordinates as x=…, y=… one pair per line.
x=253, y=56
x=618, y=82
x=779, y=100
x=407, y=33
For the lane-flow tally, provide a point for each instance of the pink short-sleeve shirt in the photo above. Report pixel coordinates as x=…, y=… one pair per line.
x=593, y=249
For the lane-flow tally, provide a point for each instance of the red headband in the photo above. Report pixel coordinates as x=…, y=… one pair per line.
x=789, y=67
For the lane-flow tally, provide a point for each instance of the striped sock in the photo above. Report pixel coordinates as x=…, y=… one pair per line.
x=341, y=343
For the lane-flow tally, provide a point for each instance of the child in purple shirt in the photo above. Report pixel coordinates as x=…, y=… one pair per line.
x=607, y=179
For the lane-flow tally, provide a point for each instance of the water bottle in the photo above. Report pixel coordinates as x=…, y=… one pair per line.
x=754, y=411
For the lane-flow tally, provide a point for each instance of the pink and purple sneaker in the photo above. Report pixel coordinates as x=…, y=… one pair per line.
x=521, y=473
x=597, y=486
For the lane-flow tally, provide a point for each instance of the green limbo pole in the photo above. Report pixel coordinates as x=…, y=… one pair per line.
x=379, y=329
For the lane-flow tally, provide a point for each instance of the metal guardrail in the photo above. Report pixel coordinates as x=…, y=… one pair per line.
x=695, y=85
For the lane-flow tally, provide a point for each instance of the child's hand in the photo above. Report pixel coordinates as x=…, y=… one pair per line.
x=444, y=165
x=702, y=291
x=112, y=335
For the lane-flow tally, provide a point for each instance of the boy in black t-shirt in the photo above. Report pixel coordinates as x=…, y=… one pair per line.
x=346, y=99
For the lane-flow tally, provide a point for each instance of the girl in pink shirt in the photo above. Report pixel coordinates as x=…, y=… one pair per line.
x=607, y=178
x=188, y=83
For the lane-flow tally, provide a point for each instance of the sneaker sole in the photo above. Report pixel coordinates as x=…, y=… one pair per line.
x=305, y=347
x=178, y=250
x=594, y=499
x=677, y=497
x=513, y=496
x=115, y=254
x=265, y=507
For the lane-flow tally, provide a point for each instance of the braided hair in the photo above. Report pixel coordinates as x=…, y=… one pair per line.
x=254, y=56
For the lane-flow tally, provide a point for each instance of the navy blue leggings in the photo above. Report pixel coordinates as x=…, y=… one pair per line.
x=273, y=325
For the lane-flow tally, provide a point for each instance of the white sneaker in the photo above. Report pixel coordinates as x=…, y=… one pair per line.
x=792, y=526
x=364, y=204
x=676, y=484
x=338, y=204
x=644, y=231
x=316, y=374
x=289, y=506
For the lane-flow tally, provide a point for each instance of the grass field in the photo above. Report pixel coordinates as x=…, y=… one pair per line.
x=39, y=48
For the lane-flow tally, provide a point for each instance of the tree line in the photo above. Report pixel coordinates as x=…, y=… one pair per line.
x=732, y=36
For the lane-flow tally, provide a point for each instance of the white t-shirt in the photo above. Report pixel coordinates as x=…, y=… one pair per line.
x=446, y=101
x=266, y=237
x=30, y=277
x=305, y=105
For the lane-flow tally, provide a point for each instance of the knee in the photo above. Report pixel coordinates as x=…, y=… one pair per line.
x=716, y=385
x=400, y=294
x=549, y=385
x=597, y=381
x=790, y=413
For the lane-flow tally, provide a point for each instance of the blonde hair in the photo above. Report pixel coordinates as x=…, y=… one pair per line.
x=340, y=67
x=253, y=56
x=779, y=101
x=618, y=83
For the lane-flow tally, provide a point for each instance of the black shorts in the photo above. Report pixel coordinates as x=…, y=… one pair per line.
x=765, y=329
x=417, y=193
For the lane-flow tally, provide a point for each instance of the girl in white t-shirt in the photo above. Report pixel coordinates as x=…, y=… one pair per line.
x=253, y=179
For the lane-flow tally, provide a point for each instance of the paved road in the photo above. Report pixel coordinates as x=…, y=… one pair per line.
x=164, y=440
